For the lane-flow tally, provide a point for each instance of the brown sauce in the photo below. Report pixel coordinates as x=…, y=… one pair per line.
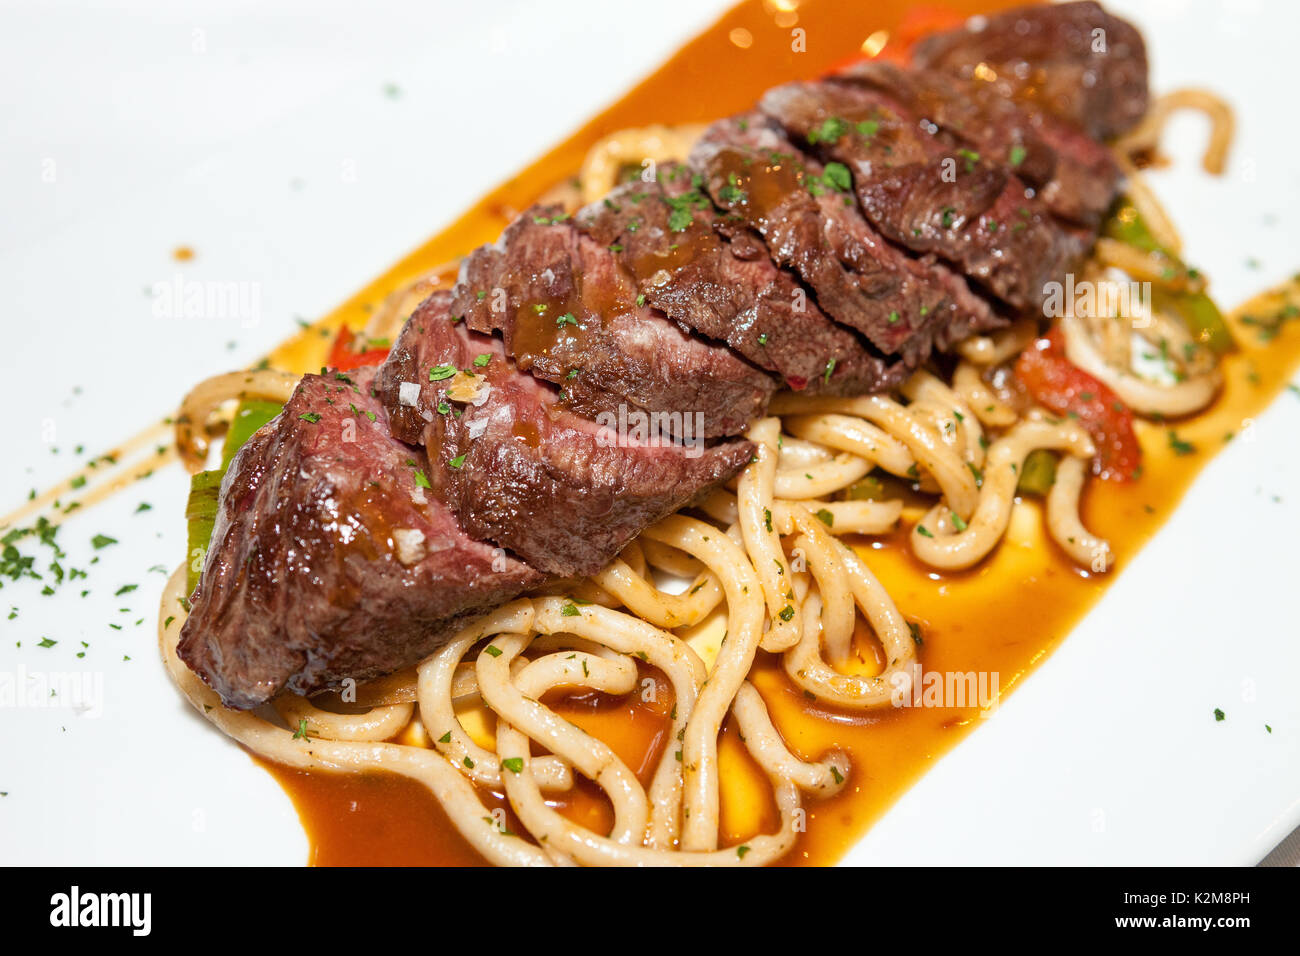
x=763, y=185
x=1003, y=616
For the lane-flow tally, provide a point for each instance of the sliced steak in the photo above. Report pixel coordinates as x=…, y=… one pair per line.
x=809, y=221
x=569, y=314
x=714, y=277
x=752, y=172
x=330, y=559
x=563, y=492
x=1073, y=60
x=1075, y=176
x=923, y=189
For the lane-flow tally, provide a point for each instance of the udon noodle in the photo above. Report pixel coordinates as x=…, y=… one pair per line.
x=774, y=551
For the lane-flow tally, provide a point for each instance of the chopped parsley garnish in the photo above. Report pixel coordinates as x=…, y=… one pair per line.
x=513, y=764
x=458, y=461
x=482, y=360
x=680, y=219
x=422, y=479
x=1179, y=446
x=311, y=417
x=683, y=207
x=732, y=194
x=440, y=372
x=831, y=129
x=836, y=175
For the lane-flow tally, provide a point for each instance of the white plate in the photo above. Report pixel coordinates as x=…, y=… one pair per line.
x=272, y=143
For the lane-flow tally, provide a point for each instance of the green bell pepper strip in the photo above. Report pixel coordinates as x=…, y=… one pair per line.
x=1038, y=473
x=1196, y=309
x=869, y=488
x=201, y=506
x=251, y=415
x=200, y=516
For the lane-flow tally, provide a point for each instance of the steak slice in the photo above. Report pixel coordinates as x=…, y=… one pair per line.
x=329, y=559
x=569, y=314
x=1072, y=60
x=752, y=172
x=924, y=190
x=1076, y=176
x=714, y=277
x=810, y=222
x=518, y=469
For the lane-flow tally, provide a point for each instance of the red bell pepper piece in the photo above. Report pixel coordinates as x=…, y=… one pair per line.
x=344, y=357
x=1066, y=389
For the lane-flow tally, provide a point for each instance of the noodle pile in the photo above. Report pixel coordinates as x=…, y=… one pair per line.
x=769, y=552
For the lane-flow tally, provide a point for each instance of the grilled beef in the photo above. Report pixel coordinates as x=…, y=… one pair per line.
x=330, y=558
x=806, y=214
x=1075, y=176
x=562, y=491
x=712, y=275
x=570, y=315
x=751, y=171
x=925, y=190
x=1072, y=60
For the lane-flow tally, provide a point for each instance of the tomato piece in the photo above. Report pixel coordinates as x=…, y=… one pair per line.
x=1066, y=389
x=344, y=357
x=917, y=23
